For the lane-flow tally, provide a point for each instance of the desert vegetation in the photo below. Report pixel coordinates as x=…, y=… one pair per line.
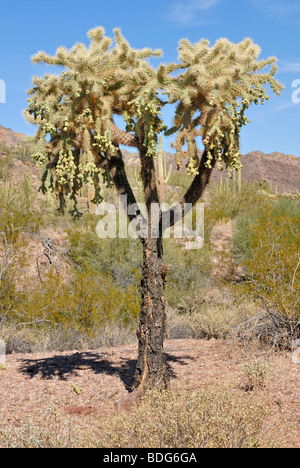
x=98, y=286
x=65, y=290
x=86, y=296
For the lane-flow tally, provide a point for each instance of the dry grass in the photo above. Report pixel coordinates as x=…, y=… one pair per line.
x=257, y=373
x=72, y=399
x=32, y=339
x=210, y=320
x=212, y=417
x=209, y=418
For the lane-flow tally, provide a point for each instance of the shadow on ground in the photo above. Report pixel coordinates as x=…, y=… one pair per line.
x=62, y=367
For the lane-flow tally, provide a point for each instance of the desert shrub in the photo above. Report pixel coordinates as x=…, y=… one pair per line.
x=18, y=213
x=24, y=151
x=35, y=337
x=11, y=262
x=6, y=164
x=179, y=327
x=228, y=204
x=207, y=418
x=85, y=302
x=188, y=271
x=272, y=259
x=179, y=179
x=111, y=335
x=242, y=241
x=7, y=289
x=219, y=321
x=200, y=320
x=256, y=372
x=53, y=431
x=120, y=258
x=241, y=244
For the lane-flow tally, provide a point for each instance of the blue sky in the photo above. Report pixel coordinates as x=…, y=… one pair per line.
x=32, y=25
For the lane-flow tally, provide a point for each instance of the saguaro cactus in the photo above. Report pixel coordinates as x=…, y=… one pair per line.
x=139, y=183
x=164, y=175
x=220, y=189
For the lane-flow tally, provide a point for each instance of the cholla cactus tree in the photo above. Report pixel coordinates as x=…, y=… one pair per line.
x=217, y=87
x=79, y=140
x=76, y=109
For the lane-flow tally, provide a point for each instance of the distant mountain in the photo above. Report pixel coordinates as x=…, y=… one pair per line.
x=281, y=171
x=9, y=137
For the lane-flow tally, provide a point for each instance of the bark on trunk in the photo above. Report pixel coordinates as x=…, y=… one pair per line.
x=151, y=370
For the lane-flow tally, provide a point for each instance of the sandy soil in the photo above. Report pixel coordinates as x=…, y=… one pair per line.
x=86, y=385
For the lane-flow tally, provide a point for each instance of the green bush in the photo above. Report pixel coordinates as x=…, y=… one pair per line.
x=18, y=213
x=272, y=258
x=6, y=164
x=85, y=301
x=228, y=204
x=119, y=258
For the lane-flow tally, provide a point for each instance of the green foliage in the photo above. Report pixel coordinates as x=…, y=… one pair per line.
x=6, y=163
x=268, y=243
x=119, y=258
x=274, y=263
x=188, y=271
x=242, y=238
x=179, y=179
x=122, y=259
x=8, y=293
x=250, y=213
x=230, y=204
x=86, y=302
x=18, y=214
x=22, y=151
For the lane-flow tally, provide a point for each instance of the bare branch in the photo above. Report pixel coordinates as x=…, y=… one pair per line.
x=119, y=137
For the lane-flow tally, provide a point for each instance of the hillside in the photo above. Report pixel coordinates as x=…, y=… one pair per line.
x=280, y=170
x=9, y=137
